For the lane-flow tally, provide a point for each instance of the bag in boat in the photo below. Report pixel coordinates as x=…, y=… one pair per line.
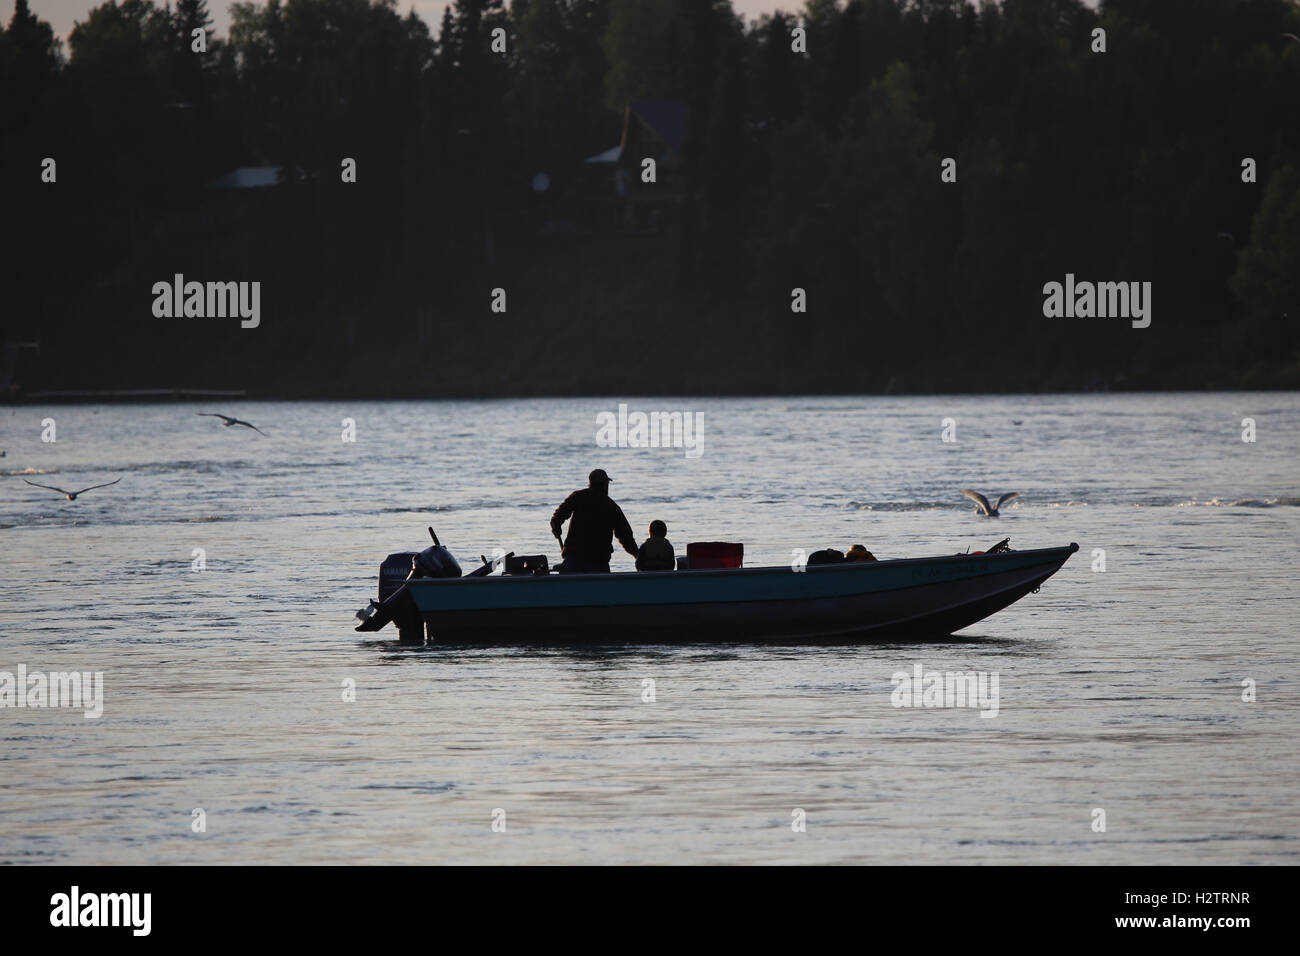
x=826, y=556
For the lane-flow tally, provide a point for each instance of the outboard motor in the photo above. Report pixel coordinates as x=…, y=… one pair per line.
x=435, y=562
x=394, y=572
x=395, y=602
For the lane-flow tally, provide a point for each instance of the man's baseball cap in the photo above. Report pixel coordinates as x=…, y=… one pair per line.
x=599, y=476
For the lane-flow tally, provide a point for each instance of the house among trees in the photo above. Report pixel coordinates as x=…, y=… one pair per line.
x=242, y=193
x=652, y=129
x=247, y=177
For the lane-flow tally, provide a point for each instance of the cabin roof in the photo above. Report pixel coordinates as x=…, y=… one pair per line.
x=608, y=156
x=665, y=118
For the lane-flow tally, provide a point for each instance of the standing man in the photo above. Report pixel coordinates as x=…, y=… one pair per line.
x=597, y=519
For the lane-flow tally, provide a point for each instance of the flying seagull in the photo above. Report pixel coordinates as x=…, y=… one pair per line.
x=990, y=511
x=233, y=421
x=72, y=495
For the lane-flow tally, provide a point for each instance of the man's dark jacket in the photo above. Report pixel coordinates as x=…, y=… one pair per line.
x=596, y=520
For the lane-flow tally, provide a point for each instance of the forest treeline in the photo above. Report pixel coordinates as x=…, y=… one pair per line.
x=811, y=161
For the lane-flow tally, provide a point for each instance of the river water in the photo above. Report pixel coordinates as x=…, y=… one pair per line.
x=226, y=737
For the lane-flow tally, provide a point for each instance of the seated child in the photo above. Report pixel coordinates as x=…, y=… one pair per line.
x=657, y=552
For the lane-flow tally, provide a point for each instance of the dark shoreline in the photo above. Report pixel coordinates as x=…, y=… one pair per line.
x=166, y=396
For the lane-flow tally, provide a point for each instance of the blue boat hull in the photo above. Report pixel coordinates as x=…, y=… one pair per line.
x=906, y=598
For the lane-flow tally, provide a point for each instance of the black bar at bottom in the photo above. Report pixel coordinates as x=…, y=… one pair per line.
x=912, y=906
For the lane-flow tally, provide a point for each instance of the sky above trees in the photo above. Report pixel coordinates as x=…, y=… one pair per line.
x=62, y=14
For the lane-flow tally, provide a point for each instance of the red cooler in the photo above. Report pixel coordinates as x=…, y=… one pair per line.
x=714, y=554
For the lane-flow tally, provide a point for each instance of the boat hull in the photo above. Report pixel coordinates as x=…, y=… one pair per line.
x=914, y=598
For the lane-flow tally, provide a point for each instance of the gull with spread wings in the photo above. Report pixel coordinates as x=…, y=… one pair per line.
x=72, y=495
x=233, y=421
x=990, y=511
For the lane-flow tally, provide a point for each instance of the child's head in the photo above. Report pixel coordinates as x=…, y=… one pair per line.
x=658, y=529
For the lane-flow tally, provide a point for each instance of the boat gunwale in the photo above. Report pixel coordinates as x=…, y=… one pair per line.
x=843, y=566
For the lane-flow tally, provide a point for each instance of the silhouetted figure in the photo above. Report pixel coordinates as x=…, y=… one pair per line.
x=657, y=551
x=597, y=519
